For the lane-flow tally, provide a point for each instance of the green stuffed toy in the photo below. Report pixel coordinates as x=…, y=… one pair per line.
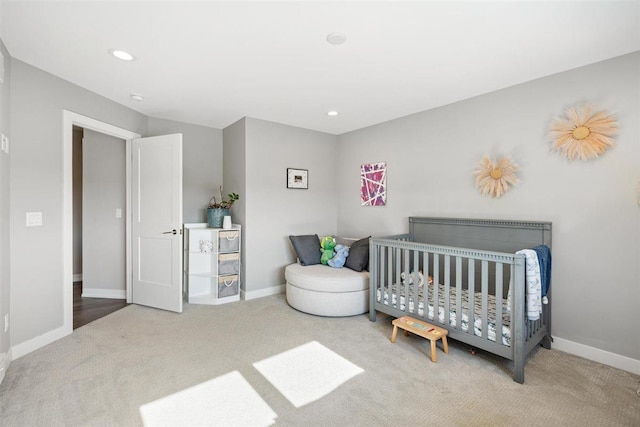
x=327, y=244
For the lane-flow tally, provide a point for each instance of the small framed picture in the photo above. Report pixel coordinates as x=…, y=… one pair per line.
x=297, y=178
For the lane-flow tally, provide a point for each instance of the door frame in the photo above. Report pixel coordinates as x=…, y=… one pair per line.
x=69, y=119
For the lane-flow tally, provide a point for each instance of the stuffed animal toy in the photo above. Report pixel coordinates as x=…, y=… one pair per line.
x=327, y=244
x=420, y=277
x=342, y=252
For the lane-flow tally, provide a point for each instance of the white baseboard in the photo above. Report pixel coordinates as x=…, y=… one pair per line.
x=597, y=355
x=77, y=277
x=5, y=361
x=104, y=293
x=40, y=341
x=274, y=290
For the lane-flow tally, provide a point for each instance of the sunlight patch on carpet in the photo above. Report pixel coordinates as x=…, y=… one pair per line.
x=228, y=400
x=307, y=373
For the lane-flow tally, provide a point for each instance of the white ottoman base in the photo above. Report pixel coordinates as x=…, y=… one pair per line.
x=325, y=291
x=331, y=304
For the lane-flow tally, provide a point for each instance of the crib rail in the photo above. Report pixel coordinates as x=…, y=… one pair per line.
x=475, y=279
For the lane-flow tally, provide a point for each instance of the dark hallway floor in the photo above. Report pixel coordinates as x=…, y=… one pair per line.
x=87, y=310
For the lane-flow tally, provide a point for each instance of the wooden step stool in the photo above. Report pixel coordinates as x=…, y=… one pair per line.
x=423, y=329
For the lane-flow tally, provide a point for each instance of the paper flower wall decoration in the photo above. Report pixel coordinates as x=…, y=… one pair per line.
x=582, y=134
x=495, y=179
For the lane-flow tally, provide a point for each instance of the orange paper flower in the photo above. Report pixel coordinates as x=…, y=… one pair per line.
x=582, y=134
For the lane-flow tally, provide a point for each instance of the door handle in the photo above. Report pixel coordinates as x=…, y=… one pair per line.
x=170, y=232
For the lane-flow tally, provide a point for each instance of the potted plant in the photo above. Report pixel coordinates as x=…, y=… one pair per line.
x=217, y=210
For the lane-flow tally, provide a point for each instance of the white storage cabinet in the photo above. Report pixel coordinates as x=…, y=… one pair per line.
x=211, y=264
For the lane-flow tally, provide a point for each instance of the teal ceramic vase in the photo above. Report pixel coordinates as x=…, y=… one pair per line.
x=215, y=216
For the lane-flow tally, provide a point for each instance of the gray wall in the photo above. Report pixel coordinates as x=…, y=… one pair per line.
x=202, y=164
x=273, y=212
x=103, y=234
x=234, y=178
x=37, y=102
x=593, y=205
x=5, y=128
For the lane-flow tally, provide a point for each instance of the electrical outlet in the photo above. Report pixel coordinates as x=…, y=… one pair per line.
x=6, y=322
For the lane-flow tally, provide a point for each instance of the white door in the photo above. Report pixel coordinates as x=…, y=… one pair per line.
x=156, y=229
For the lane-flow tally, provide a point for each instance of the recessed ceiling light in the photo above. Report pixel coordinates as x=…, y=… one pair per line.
x=336, y=38
x=136, y=97
x=332, y=113
x=121, y=54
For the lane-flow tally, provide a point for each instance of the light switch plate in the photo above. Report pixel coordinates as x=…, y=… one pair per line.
x=34, y=219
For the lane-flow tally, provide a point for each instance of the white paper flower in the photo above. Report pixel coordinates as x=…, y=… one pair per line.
x=495, y=179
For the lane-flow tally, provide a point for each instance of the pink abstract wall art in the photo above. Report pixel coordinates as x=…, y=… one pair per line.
x=373, y=184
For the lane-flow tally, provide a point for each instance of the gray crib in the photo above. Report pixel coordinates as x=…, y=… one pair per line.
x=473, y=263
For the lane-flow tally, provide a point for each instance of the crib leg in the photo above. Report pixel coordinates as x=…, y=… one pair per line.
x=518, y=373
x=394, y=334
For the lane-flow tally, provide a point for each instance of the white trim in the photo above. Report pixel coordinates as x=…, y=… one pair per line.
x=39, y=341
x=597, y=355
x=69, y=119
x=104, y=293
x=128, y=266
x=5, y=361
x=77, y=277
x=274, y=290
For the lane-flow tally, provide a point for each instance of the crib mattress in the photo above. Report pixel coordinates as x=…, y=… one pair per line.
x=477, y=321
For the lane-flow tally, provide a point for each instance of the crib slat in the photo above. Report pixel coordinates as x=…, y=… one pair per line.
x=427, y=288
x=381, y=273
x=405, y=257
x=485, y=298
x=398, y=270
x=447, y=288
x=390, y=275
x=413, y=307
x=471, y=290
x=499, y=300
x=436, y=293
x=459, y=293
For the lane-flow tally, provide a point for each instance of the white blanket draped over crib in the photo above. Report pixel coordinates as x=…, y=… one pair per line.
x=533, y=284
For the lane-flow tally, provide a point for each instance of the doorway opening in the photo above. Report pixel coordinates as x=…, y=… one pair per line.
x=70, y=120
x=99, y=235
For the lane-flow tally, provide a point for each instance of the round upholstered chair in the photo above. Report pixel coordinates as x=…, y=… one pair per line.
x=325, y=291
x=318, y=289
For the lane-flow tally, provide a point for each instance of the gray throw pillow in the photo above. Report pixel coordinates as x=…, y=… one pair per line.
x=307, y=248
x=358, y=258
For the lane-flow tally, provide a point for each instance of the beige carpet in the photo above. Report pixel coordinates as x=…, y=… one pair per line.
x=105, y=371
x=307, y=373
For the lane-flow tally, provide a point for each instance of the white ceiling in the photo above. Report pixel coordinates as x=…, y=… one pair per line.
x=212, y=63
